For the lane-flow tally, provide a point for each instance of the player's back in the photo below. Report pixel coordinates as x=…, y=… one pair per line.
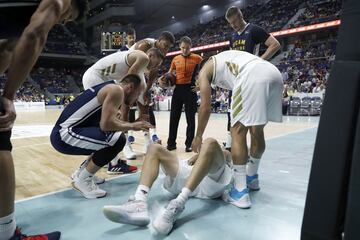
x=229, y=65
x=114, y=66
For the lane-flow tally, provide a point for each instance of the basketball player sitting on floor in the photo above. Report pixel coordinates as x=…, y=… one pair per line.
x=205, y=175
x=90, y=126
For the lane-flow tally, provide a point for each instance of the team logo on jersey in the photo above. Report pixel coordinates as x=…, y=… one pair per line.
x=233, y=68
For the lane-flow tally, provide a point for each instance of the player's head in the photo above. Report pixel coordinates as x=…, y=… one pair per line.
x=185, y=45
x=76, y=12
x=156, y=57
x=235, y=18
x=130, y=36
x=165, y=41
x=132, y=88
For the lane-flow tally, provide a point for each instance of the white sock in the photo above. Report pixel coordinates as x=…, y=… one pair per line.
x=228, y=140
x=7, y=226
x=130, y=133
x=142, y=193
x=184, y=195
x=114, y=161
x=252, y=166
x=152, y=131
x=240, y=177
x=85, y=174
x=146, y=136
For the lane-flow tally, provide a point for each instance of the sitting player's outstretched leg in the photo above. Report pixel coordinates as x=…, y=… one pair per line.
x=208, y=178
x=135, y=211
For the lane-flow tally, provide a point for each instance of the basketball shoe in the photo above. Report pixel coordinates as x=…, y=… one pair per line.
x=47, y=236
x=97, y=180
x=240, y=199
x=88, y=188
x=133, y=212
x=165, y=221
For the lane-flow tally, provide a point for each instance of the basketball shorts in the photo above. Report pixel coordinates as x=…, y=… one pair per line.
x=257, y=95
x=207, y=189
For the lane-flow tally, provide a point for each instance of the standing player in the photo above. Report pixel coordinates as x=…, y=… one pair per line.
x=183, y=66
x=90, y=125
x=30, y=23
x=164, y=43
x=128, y=151
x=116, y=66
x=205, y=175
x=247, y=37
x=257, y=86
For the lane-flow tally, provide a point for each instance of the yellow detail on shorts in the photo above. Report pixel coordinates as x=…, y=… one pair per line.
x=113, y=67
x=237, y=103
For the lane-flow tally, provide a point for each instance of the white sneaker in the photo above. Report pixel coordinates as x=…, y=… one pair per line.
x=133, y=212
x=128, y=152
x=97, y=180
x=88, y=188
x=165, y=221
x=240, y=199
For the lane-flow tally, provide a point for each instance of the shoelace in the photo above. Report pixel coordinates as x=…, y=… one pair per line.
x=91, y=184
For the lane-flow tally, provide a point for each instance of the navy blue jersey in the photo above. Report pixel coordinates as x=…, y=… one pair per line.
x=78, y=132
x=249, y=39
x=84, y=111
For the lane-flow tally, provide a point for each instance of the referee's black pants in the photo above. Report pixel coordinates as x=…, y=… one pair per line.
x=182, y=95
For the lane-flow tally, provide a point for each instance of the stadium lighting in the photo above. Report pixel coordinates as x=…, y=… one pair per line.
x=205, y=7
x=279, y=33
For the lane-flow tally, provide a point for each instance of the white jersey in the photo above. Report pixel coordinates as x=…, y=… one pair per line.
x=151, y=41
x=256, y=84
x=112, y=67
x=229, y=65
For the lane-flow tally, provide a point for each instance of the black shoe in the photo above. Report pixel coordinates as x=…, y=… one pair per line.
x=188, y=149
x=170, y=148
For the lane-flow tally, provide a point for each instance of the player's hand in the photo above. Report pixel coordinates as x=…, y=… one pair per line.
x=162, y=82
x=141, y=125
x=195, y=89
x=193, y=159
x=146, y=99
x=7, y=114
x=196, y=144
x=143, y=117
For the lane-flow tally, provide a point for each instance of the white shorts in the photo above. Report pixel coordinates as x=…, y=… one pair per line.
x=257, y=95
x=208, y=188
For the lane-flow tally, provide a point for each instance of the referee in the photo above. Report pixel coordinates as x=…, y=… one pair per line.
x=183, y=66
x=247, y=37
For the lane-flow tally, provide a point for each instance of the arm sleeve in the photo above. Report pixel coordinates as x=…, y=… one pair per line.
x=259, y=34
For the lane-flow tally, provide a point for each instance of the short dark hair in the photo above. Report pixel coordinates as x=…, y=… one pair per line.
x=232, y=11
x=167, y=36
x=83, y=8
x=132, y=78
x=130, y=31
x=185, y=39
x=157, y=52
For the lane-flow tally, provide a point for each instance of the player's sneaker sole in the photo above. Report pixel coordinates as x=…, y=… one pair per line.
x=87, y=196
x=242, y=202
x=138, y=219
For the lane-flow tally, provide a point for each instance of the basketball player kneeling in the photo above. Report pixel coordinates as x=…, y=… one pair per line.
x=90, y=126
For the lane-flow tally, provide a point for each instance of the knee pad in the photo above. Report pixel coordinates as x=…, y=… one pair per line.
x=105, y=155
x=5, y=143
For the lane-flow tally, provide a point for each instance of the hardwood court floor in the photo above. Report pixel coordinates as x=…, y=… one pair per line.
x=40, y=169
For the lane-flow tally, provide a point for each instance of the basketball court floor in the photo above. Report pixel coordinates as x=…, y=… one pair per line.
x=45, y=201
